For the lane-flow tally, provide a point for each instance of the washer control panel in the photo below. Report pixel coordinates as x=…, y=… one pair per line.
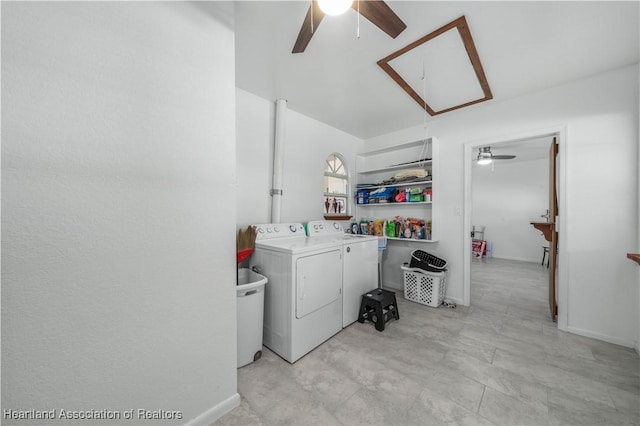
x=279, y=230
x=318, y=228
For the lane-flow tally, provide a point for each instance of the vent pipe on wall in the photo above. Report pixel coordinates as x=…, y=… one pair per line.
x=278, y=161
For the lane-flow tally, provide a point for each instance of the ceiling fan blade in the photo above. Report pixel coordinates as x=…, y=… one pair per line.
x=305, y=34
x=503, y=157
x=381, y=15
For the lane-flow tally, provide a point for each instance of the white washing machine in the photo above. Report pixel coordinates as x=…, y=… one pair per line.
x=359, y=263
x=303, y=301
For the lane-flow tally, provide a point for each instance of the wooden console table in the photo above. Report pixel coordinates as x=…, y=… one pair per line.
x=545, y=227
x=634, y=256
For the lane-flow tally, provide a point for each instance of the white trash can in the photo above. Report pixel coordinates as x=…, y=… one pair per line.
x=250, y=312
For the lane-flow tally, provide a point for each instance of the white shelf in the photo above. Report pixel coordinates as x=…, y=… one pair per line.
x=412, y=240
x=422, y=182
x=414, y=203
x=420, y=165
x=377, y=166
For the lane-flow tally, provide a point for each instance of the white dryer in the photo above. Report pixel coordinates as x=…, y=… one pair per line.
x=359, y=263
x=303, y=301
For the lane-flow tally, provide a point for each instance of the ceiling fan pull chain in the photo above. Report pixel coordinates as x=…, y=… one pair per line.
x=425, y=147
x=358, y=30
x=424, y=91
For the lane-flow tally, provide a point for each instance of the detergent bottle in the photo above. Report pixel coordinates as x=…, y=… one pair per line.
x=391, y=229
x=363, y=226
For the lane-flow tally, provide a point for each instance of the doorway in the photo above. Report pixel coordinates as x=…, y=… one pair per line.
x=512, y=246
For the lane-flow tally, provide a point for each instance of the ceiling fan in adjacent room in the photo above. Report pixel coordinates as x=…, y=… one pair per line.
x=486, y=157
x=376, y=11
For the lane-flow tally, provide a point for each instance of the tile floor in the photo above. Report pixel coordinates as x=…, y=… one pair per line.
x=500, y=361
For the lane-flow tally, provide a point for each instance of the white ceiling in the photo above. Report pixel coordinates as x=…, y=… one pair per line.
x=440, y=72
x=523, y=46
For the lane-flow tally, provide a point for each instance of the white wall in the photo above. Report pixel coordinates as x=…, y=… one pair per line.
x=505, y=199
x=308, y=142
x=601, y=115
x=117, y=268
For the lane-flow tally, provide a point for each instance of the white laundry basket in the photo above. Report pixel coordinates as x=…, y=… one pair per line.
x=425, y=287
x=250, y=303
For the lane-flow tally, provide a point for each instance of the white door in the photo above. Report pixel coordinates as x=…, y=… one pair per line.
x=318, y=281
x=360, y=276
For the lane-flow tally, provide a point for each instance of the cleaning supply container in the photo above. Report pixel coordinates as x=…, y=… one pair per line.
x=250, y=312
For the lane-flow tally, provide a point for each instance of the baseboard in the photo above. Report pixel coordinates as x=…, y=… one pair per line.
x=214, y=413
x=454, y=300
x=517, y=259
x=603, y=337
x=394, y=286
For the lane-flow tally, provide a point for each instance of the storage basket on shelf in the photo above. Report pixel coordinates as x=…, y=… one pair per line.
x=426, y=261
x=362, y=196
x=425, y=287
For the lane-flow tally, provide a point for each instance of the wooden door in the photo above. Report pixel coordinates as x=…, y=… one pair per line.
x=553, y=244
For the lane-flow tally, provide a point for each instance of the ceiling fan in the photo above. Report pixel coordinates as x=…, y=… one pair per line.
x=376, y=11
x=486, y=157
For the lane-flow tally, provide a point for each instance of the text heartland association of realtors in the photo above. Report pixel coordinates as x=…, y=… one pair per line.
x=140, y=414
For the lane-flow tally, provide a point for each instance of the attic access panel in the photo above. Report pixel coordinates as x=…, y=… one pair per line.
x=447, y=70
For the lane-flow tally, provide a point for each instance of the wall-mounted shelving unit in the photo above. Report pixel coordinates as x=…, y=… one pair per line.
x=373, y=168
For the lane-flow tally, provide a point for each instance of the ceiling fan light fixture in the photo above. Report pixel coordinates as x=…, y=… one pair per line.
x=484, y=156
x=334, y=7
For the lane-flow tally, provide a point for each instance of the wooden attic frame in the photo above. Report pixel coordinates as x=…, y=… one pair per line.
x=465, y=34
